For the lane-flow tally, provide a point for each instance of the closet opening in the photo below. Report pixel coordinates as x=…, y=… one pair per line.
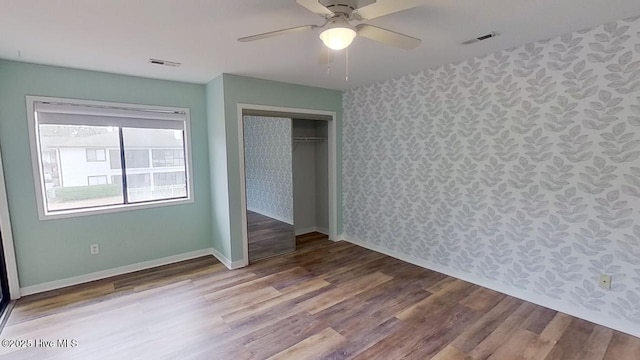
x=288, y=178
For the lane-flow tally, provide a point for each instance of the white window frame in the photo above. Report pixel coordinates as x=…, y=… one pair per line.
x=104, y=153
x=36, y=161
x=97, y=177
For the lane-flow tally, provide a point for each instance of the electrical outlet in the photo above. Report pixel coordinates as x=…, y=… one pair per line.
x=95, y=249
x=605, y=281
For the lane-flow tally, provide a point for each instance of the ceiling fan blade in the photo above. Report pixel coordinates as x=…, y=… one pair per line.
x=315, y=6
x=277, y=33
x=387, y=36
x=386, y=7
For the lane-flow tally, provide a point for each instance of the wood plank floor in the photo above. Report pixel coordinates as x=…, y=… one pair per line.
x=325, y=301
x=268, y=237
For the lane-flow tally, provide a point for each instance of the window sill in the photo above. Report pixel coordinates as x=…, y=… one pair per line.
x=66, y=214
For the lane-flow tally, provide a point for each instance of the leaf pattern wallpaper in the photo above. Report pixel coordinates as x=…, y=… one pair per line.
x=267, y=146
x=520, y=167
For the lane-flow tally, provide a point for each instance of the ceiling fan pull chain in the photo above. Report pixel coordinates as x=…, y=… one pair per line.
x=328, y=62
x=346, y=78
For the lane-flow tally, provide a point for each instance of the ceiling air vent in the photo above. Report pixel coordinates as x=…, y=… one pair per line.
x=479, y=38
x=164, y=62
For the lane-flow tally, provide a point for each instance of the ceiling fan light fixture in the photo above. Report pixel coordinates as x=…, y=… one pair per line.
x=338, y=37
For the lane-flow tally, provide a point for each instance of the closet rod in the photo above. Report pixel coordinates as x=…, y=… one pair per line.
x=308, y=139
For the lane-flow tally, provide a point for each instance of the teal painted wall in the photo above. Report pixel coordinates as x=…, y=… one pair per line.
x=57, y=249
x=220, y=229
x=239, y=89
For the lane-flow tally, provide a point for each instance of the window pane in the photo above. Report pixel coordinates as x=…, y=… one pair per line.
x=114, y=159
x=74, y=171
x=100, y=155
x=97, y=180
x=91, y=154
x=136, y=159
x=94, y=155
x=166, y=150
x=168, y=157
x=169, y=179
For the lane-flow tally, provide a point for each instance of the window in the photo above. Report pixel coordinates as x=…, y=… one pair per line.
x=137, y=159
x=97, y=180
x=82, y=150
x=169, y=179
x=95, y=155
x=167, y=158
x=114, y=159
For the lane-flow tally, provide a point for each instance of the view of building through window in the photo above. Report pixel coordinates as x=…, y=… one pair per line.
x=82, y=165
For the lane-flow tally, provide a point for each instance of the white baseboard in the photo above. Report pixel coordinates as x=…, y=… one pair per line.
x=312, y=229
x=231, y=265
x=558, y=305
x=98, y=275
x=273, y=216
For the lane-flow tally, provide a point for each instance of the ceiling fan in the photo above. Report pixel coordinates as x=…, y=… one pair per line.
x=338, y=33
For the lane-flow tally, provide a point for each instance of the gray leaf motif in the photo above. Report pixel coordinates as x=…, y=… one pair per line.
x=537, y=146
x=588, y=296
x=496, y=67
x=566, y=265
x=522, y=173
x=560, y=115
x=479, y=97
x=469, y=124
x=629, y=247
x=552, y=234
x=503, y=200
x=549, y=285
x=633, y=181
x=592, y=239
x=527, y=60
x=565, y=52
x=597, y=178
x=526, y=118
x=517, y=276
x=541, y=87
x=620, y=146
x=580, y=82
x=608, y=44
x=470, y=73
x=605, y=265
x=533, y=202
x=557, y=175
x=575, y=145
x=635, y=110
x=624, y=76
x=505, y=147
x=603, y=112
x=628, y=307
x=519, y=227
x=614, y=212
x=571, y=207
x=508, y=92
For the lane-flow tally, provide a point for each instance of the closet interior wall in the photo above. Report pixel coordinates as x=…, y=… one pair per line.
x=310, y=177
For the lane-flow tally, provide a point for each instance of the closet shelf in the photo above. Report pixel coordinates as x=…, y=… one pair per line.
x=308, y=139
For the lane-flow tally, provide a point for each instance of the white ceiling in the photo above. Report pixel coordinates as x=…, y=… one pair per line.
x=119, y=36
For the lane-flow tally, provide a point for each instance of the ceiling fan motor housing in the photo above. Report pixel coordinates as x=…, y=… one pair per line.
x=345, y=8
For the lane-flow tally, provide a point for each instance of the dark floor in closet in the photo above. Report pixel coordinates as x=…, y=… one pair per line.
x=268, y=237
